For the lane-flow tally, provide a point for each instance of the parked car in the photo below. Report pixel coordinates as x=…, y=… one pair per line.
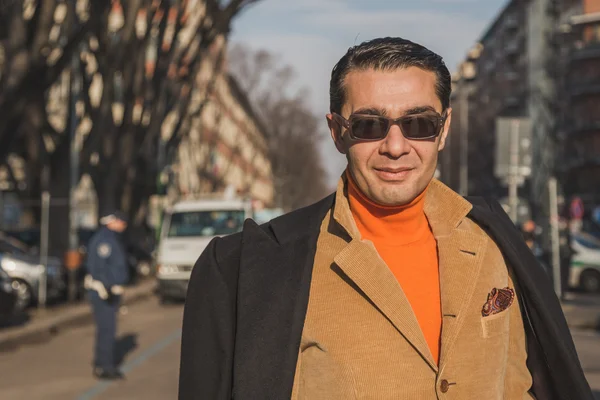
x=26, y=271
x=585, y=264
x=8, y=296
x=30, y=237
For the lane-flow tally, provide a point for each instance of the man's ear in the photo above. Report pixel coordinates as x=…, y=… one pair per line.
x=446, y=130
x=336, y=134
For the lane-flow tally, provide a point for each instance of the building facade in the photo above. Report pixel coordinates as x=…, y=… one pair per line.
x=490, y=83
x=453, y=165
x=580, y=128
x=225, y=148
x=539, y=60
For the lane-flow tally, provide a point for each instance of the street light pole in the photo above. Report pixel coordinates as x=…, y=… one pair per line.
x=44, y=229
x=72, y=258
x=555, y=235
x=513, y=170
x=464, y=140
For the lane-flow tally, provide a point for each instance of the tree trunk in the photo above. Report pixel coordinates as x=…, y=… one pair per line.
x=59, y=188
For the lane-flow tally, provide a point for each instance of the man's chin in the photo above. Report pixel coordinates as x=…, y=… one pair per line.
x=399, y=193
x=395, y=198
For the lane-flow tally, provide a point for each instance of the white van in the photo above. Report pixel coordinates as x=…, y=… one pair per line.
x=188, y=227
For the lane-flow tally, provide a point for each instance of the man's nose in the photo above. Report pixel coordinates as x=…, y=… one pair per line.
x=395, y=144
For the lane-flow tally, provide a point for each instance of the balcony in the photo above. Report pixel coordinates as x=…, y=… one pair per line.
x=514, y=46
x=582, y=127
x=512, y=75
x=513, y=98
x=585, y=87
x=586, y=51
x=511, y=22
x=511, y=101
x=579, y=161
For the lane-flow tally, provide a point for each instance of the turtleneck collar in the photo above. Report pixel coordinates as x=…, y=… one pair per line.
x=387, y=225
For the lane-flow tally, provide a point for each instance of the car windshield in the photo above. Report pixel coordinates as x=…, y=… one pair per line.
x=205, y=223
x=6, y=247
x=587, y=242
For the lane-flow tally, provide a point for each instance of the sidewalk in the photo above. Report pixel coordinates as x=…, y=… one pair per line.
x=43, y=324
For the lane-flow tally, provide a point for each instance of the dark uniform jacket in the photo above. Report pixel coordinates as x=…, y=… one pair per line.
x=106, y=258
x=244, y=318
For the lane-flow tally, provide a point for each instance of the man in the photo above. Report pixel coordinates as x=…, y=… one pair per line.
x=529, y=234
x=108, y=272
x=394, y=287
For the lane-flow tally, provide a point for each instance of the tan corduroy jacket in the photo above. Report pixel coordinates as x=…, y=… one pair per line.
x=361, y=339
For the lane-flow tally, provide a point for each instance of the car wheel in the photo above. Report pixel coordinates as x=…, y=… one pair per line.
x=590, y=281
x=24, y=294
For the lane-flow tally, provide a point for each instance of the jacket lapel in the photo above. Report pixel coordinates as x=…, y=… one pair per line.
x=361, y=263
x=460, y=255
x=460, y=258
x=274, y=281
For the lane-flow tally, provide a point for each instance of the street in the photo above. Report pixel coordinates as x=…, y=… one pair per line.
x=588, y=348
x=149, y=342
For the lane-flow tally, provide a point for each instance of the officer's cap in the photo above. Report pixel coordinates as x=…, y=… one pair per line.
x=113, y=216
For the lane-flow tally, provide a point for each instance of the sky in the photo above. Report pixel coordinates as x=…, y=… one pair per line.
x=312, y=35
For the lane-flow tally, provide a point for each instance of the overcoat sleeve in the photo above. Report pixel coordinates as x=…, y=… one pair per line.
x=209, y=328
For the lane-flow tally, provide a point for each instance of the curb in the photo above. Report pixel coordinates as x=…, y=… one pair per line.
x=81, y=315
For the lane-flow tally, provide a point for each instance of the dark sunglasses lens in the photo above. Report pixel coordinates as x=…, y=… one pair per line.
x=369, y=128
x=419, y=127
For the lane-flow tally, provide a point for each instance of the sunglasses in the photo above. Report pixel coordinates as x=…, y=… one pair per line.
x=376, y=127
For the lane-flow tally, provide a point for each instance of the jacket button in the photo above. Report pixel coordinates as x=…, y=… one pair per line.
x=444, y=386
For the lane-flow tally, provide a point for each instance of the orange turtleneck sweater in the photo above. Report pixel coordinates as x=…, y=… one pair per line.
x=404, y=240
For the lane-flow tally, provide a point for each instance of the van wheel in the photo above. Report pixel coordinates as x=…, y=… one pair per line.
x=165, y=300
x=590, y=281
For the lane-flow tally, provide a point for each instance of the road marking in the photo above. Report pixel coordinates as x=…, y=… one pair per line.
x=134, y=363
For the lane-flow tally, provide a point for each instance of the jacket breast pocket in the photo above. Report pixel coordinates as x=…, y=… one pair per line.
x=495, y=325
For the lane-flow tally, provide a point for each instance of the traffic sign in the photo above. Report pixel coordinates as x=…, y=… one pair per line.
x=576, y=208
x=514, y=151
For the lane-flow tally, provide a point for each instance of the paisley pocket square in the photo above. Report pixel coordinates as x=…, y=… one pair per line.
x=498, y=300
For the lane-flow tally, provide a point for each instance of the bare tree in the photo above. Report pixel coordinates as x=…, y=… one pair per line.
x=136, y=62
x=293, y=133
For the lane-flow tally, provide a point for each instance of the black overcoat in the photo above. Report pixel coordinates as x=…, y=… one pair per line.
x=248, y=297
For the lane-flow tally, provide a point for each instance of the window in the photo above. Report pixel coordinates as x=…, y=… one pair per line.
x=205, y=223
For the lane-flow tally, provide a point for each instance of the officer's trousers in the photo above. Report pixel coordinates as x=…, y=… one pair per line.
x=105, y=316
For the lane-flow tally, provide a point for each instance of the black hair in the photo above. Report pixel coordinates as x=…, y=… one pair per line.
x=388, y=54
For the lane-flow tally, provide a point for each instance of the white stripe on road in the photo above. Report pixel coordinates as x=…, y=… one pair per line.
x=131, y=365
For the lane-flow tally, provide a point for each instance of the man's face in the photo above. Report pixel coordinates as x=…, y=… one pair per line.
x=117, y=225
x=395, y=170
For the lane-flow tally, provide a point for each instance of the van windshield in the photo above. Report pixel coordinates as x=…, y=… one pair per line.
x=205, y=223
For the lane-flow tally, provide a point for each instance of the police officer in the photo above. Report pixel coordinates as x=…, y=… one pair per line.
x=107, y=271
